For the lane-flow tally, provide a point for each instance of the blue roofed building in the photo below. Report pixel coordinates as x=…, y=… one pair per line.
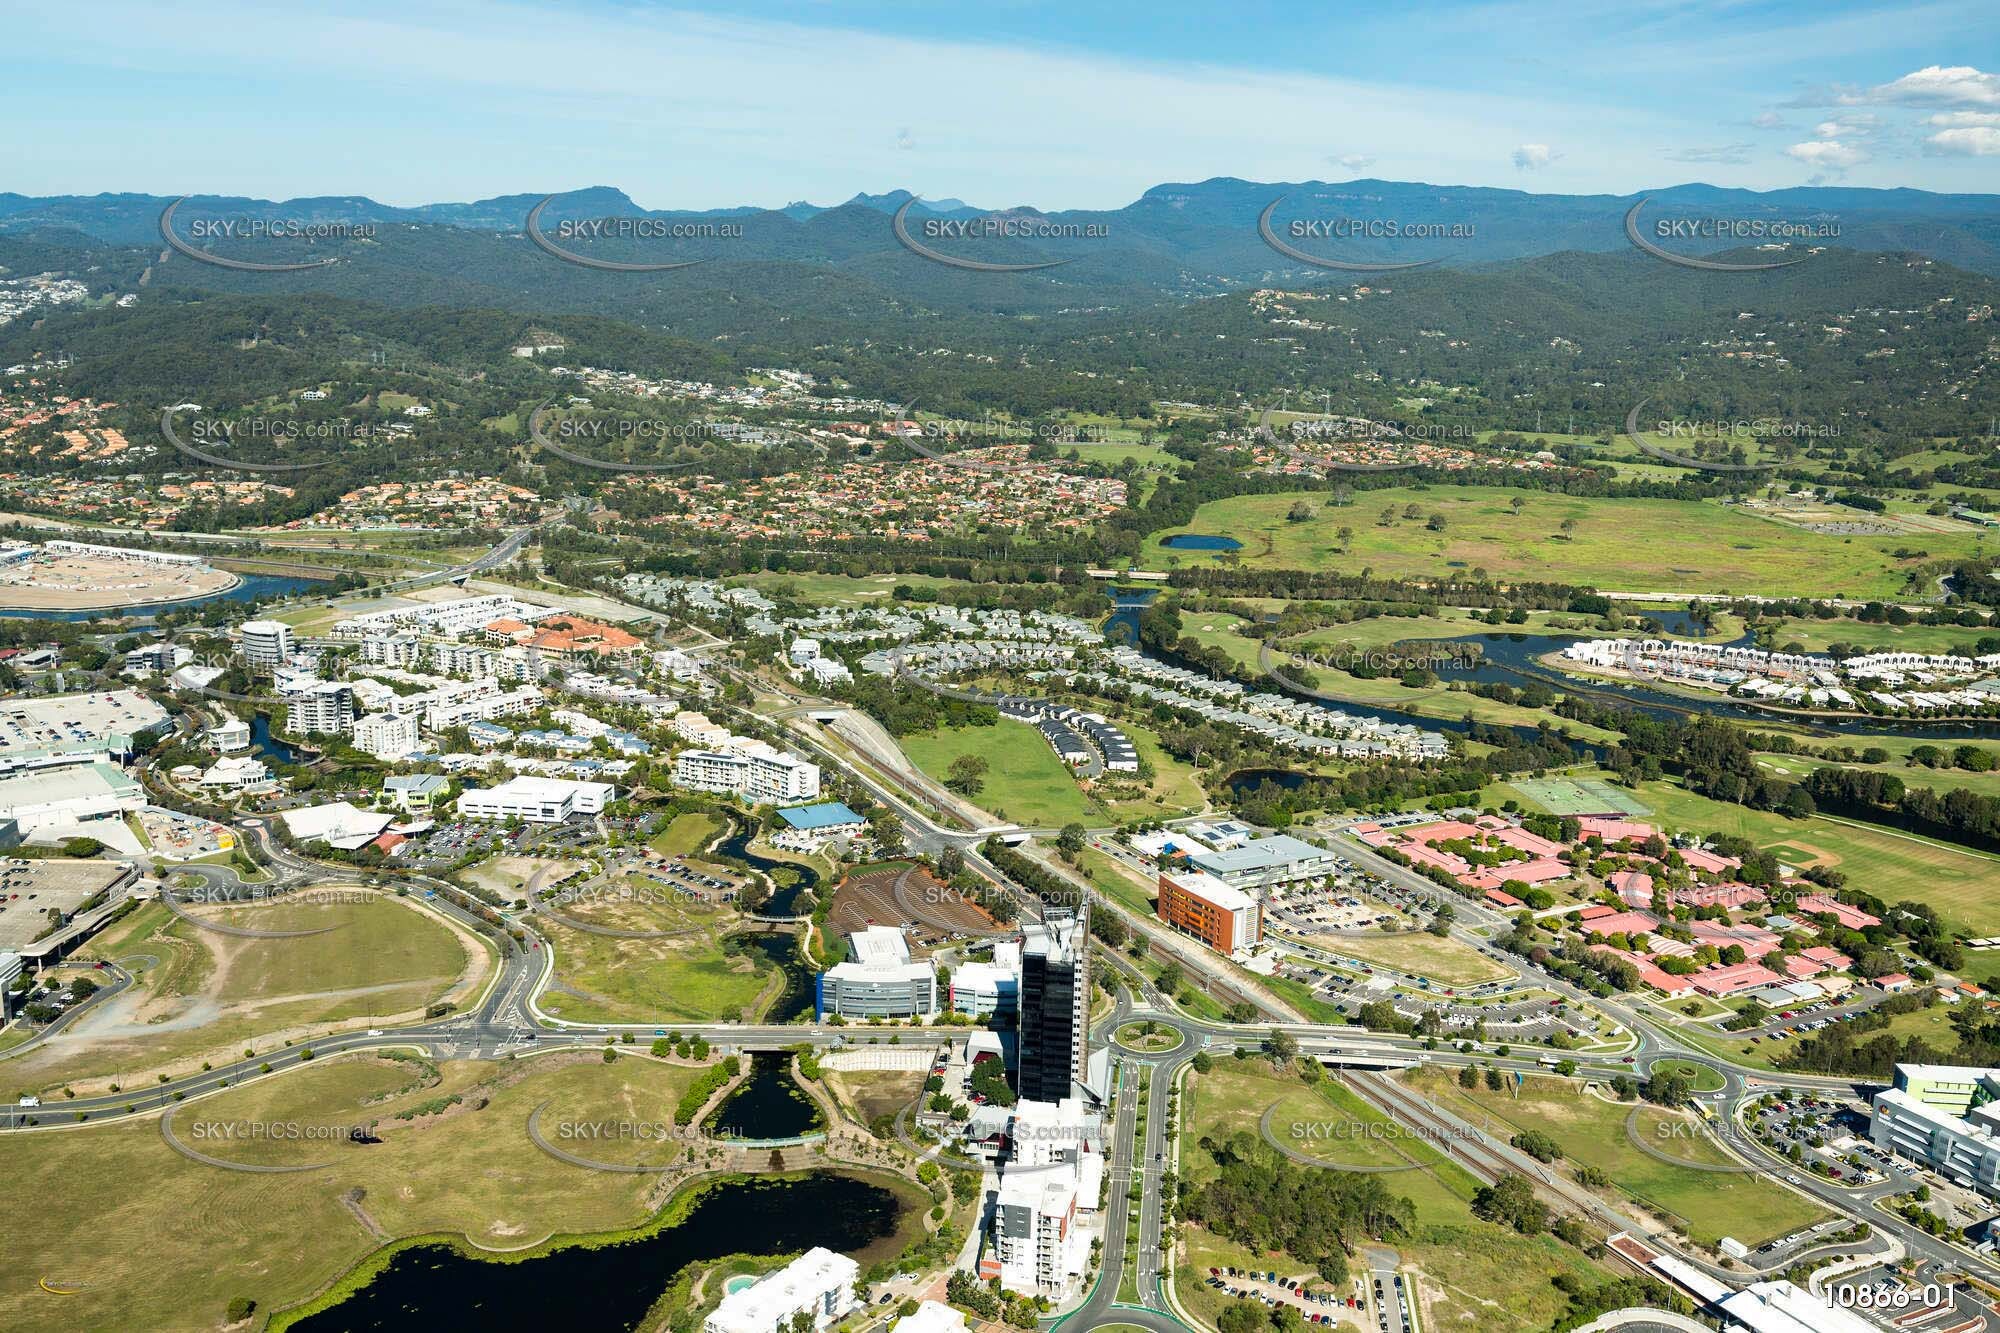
x=813, y=826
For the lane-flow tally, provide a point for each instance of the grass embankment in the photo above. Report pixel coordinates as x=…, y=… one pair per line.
x=1591, y=1131
x=183, y=1238
x=210, y=996
x=1472, y=1274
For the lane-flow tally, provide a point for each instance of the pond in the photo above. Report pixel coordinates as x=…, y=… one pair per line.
x=790, y=878
x=250, y=588
x=1200, y=541
x=266, y=746
x=767, y=1105
x=610, y=1288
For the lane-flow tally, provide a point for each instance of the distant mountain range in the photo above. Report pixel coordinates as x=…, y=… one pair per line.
x=1174, y=241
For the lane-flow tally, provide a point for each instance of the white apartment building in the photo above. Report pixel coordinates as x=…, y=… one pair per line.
x=482, y=706
x=818, y=1283
x=696, y=729
x=324, y=706
x=230, y=736
x=750, y=769
x=387, y=736
x=267, y=644
x=537, y=800
x=1038, y=1248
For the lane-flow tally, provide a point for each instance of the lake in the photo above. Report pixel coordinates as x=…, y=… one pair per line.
x=609, y=1289
x=1200, y=541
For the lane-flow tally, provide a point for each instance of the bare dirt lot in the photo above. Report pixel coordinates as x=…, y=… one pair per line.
x=82, y=582
x=907, y=896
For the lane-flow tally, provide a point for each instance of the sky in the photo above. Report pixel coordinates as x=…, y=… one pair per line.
x=1057, y=105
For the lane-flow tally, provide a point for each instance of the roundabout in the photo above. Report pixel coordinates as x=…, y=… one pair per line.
x=1148, y=1037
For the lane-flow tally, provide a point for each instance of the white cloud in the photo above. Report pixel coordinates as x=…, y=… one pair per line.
x=1728, y=154
x=1355, y=161
x=1533, y=157
x=1969, y=141
x=904, y=141
x=1769, y=120
x=1950, y=119
x=1953, y=85
x=1828, y=154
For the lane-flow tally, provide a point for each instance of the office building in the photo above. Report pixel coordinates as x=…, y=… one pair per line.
x=990, y=990
x=267, y=644
x=878, y=980
x=537, y=800
x=1226, y=919
x=1278, y=859
x=1946, y=1117
x=819, y=1283
x=1055, y=1005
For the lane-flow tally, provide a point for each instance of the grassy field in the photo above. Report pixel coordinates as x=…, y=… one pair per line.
x=1419, y=954
x=168, y=1242
x=1592, y=1132
x=688, y=977
x=1957, y=881
x=1473, y=1274
x=210, y=996
x=1621, y=544
x=1940, y=780
x=687, y=834
x=1024, y=780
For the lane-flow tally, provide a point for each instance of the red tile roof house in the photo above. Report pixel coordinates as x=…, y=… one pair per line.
x=1697, y=859
x=1595, y=911
x=1623, y=923
x=1635, y=887
x=1501, y=898
x=1894, y=981
x=1755, y=943
x=1615, y=830
x=1853, y=918
x=1652, y=975
x=1735, y=977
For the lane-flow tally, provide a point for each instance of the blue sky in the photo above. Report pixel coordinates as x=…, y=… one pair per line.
x=1057, y=105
